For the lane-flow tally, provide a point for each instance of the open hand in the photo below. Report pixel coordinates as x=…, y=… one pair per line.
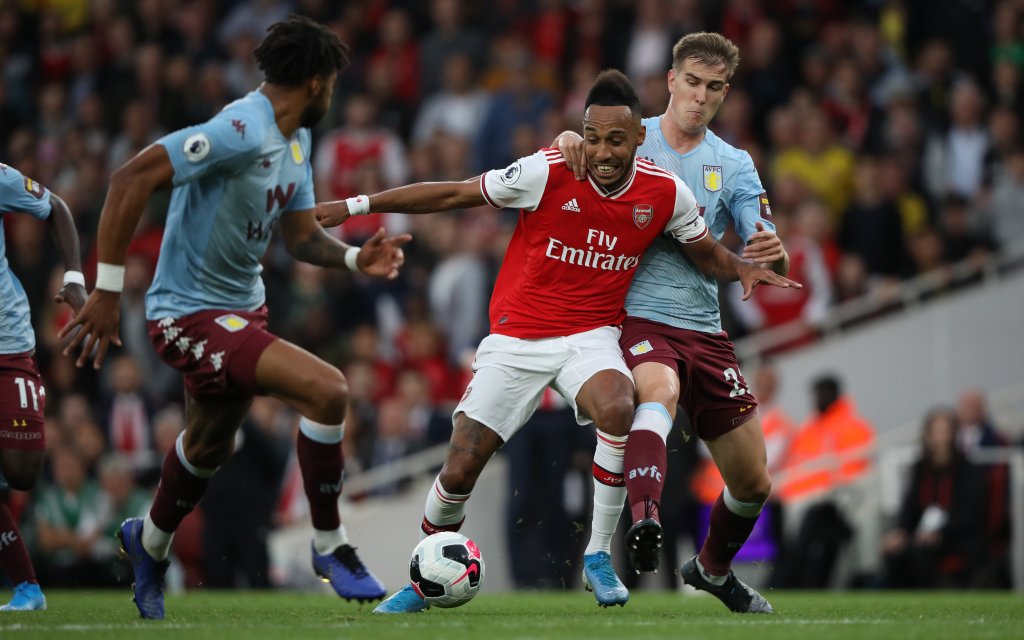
x=382, y=256
x=98, y=324
x=753, y=275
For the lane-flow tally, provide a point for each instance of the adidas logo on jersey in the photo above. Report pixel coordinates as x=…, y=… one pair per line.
x=572, y=205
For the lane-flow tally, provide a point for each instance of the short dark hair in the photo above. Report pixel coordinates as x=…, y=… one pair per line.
x=828, y=383
x=709, y=48
x=298, y=49
x=612, y=89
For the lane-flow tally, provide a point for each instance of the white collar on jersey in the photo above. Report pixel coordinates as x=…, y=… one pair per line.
x=618, y=192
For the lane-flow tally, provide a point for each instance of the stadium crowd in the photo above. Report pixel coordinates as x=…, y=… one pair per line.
x=887, y=133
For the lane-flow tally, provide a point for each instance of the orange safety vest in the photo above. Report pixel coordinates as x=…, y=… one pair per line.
x=836, y=432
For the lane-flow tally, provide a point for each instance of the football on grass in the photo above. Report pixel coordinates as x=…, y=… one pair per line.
x=447, y=569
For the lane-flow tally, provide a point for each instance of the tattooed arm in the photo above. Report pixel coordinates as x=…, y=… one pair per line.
x=308, y=242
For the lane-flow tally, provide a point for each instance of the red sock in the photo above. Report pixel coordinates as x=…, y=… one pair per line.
x=726, y=536
x=13, y=555
x=644, y=468
x=321, y=465
x=177, y=495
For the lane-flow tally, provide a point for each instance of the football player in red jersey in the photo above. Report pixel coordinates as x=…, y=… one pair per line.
x=558, y=302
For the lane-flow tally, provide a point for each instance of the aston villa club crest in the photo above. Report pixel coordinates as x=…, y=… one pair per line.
x=642, y=215
x=713, y=177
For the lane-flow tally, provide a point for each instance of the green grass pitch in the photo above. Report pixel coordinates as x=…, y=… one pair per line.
x=217, y=615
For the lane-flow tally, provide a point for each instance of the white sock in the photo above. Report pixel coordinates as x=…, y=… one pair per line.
x=742, y=509
x=322, y=433
x=156, y=542
x=652, y=416
x=443, y=509
x=327, y=541
x=713, y=579
x=609, y=491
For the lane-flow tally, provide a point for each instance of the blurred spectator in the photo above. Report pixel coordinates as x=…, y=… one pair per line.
x=73, y=545
x=457, y=110
x=124, y=499
x=1005, y=216
x=539, y=530
x=872, y=227
x=650, y=42
x=399, y=53
x=459, y=286
x=835, y=438
x=809, y=305
x=823, y=166
x=238, y=507
x=828, y=453
x=127, y=413
x=939, y=537
x=520, y=103
x=250, y=18
x=961, y=239
x=976, y=429
x=361, y=157
x=450, y=35
x=955, y=159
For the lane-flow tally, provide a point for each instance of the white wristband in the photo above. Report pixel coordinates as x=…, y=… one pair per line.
x=74, y=277
x=358, y=206
x=350, y=258
x=110, y=277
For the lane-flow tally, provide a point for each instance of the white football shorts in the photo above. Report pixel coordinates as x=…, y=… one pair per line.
x=510, y=375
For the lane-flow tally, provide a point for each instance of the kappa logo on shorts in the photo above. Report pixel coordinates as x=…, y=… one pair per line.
x=641, y=348
x=232, y=323
x=466, y=394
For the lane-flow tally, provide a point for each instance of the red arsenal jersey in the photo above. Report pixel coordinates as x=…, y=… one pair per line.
x=574, y=251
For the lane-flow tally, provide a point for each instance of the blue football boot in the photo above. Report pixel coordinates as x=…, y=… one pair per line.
x=27, y=597
x=347, y=574
x=405, y=600
x=148, y=588
x=599, y=576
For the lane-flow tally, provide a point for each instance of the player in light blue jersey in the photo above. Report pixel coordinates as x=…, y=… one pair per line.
x=234, y=178
x=22, y=397
x=672, y=338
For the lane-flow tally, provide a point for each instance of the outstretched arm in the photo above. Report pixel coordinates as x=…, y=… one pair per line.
x=130, y=188
x=423, y=197
x=715, y=261
x=65, y=235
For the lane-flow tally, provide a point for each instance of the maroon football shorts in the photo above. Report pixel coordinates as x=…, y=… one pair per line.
x=22, y=402
x=216, y=350
x=712, y=390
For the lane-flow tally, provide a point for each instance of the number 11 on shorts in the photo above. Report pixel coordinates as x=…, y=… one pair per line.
x=24, y=394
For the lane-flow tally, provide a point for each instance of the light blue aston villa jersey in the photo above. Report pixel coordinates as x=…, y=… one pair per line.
x=18, y=194
x=667, y=288
x=234, y=176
